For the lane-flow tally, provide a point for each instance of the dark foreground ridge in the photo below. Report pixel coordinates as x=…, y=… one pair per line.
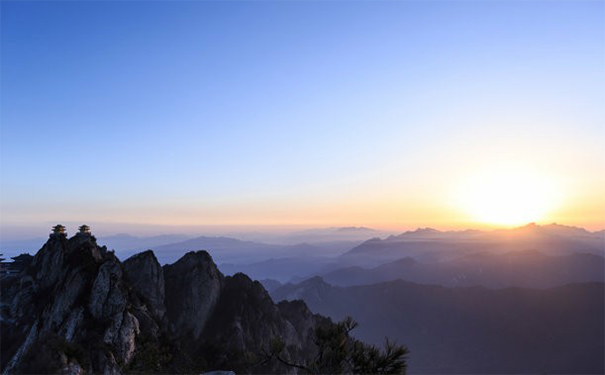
x=75, y=308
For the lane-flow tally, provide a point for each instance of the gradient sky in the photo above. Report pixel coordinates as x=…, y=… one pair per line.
x=297, y=113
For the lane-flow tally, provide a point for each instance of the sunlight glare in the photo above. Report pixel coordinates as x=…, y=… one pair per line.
x=508, y=196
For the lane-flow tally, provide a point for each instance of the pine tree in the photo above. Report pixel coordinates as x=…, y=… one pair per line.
x=339, y=353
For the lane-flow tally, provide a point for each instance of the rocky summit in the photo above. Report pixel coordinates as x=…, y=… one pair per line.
x=76, y=308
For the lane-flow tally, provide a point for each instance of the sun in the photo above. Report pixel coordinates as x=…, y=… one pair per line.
x=507, y=196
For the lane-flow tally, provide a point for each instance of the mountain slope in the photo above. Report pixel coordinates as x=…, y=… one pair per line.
x=472, y=330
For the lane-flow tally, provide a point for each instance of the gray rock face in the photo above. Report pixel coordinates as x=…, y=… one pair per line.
x=73, y=322
x=246, y=320
x=22, y=349
x=254, y=314
x=122, y=334
x=49, y=260
x=193, y=285
x=77, y=309
x=107, y=298
x=72, y=290
x=67, y=291
x=146, y=277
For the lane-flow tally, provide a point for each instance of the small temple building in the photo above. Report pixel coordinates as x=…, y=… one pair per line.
x=59, y=230
x=84, y=229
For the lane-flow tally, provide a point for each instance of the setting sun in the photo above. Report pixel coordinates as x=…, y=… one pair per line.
x=508, y=196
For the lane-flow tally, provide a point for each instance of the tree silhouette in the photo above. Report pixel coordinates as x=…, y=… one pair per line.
x=338, y=353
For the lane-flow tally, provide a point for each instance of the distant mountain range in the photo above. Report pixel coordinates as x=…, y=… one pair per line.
x=258, y=259
x=435, y=252
x=430, y=245
x=472, y=330
x=334, y=234
x=302, y=254
x=282, y=269
x=229, y=250
x=525, y=268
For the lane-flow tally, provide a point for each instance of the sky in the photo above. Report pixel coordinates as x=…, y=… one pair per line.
x=390, y=114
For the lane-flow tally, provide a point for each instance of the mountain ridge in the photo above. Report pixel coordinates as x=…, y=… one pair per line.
x=524, y=268
x=77, y=308
x=432, y=245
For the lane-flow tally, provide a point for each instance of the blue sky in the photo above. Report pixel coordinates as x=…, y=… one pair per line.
x=291, y=112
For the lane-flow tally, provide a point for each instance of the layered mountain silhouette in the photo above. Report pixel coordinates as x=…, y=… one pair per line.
x=472, y=330
x=76, y=308
x=527, y=268
x=228, y=249
x=526, y=300
x=430, y=245
x=134, y=244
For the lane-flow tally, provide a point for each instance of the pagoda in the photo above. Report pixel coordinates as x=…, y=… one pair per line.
x=84, y=230
x=59, y=231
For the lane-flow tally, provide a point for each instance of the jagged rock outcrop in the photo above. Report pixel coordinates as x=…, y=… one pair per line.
x=194, y=285
x=72, y=296
x=77, y=309
x=146, y=277
x=246, y=319
x=49, y=260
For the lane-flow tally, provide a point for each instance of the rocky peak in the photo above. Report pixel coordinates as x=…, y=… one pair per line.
x=60, y=253
x=193, y=285
x=146, y=276
x=48, y=261
x=76, y=308
x=246, y=319
x=72, y=292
